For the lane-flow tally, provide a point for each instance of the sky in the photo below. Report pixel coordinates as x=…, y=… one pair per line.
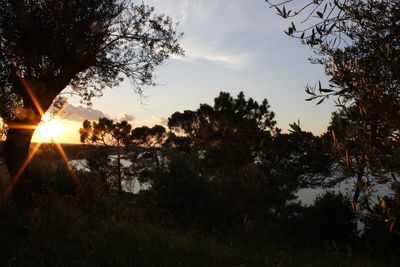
x=231, y=46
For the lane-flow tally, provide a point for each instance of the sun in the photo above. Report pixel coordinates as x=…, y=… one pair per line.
x=49, y=130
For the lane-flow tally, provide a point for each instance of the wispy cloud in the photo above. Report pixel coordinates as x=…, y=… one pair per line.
x=211, y=52
x=215, y=30
x=125, y=117
x=81, y=113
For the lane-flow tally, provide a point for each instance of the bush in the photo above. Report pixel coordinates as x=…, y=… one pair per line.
x=330, y=218
x=182, y=192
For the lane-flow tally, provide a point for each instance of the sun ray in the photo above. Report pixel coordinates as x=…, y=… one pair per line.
x=33, y=97
x=20, y=171
x=48, y=129
x=21, y=126
x=66, y=160
x=32, y=152
x=68, y=164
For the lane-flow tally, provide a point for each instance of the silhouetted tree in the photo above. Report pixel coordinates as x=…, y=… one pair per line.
x=330, y=218
x=300, y=155
x=99, y=164
x=226, y=142
x=357, y=42
x=111, y=134
x=152, y=138
x=227, y=135
x=46, y=46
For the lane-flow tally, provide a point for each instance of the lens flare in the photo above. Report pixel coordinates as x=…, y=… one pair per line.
x=49, y=129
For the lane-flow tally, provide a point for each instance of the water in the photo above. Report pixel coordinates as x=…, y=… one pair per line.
x=306, y=196
x=347, y=187
x=131, y=185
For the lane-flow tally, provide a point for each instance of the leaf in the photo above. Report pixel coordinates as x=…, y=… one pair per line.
x=320, y=15
x=347, y=161
x=354, y=206
x=331, y=28
x=392, y=226
x=279, y=11
x=311, y=98
x=326, y=90
x=319, y=102
x=382, y=203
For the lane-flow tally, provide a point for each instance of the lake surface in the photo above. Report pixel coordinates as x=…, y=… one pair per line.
x=306, y=196
x=131, y=185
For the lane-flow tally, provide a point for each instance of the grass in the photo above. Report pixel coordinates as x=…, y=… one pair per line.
x=63, y=232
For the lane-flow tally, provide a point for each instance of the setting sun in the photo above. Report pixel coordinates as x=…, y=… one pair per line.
x=49, y=129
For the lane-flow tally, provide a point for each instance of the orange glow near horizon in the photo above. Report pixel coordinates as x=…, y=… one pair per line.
x=55, y=129
x=49, y=130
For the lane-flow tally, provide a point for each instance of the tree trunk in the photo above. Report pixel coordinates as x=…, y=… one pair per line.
x=119, y=174
x=37, y=98
x=16, y=154
x=357, y=191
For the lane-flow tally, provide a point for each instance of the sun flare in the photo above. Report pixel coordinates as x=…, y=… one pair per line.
x=49, y=130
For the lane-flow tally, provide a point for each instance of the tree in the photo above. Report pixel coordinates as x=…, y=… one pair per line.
x=299, y=155
x=357, y=42
x=48, y=45
x=225, y=142
x=109, y=134
x=330, y=218
x=152, y=138
x=227, y=135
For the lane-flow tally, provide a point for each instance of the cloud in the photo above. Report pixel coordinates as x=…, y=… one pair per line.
x=211, y=52
x=151, y=121
x=220, y=32
x=162, y=121
x=81, y=113
x=125, y=117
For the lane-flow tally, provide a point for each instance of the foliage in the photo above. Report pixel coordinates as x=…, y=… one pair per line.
x=88, y=45
x=330, y=218
x=85, y=46
x=107, y=133
x=183, y=193
x=99, y=164
x=151, y=138
x=228, y=134
x=222, y=142
x=377, y=236
x=298, y=154
x=357, y=43
x=66, y=229
x=250, y=171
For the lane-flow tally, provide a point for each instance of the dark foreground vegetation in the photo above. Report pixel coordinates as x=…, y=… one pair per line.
x=213, y=197
x=98, y=227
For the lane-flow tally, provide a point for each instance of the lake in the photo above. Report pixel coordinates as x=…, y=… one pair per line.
x=306, y=196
